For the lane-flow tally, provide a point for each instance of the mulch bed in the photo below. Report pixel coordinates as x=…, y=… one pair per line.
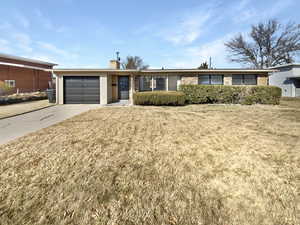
x=22, y=97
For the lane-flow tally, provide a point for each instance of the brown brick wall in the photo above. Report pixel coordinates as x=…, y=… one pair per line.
x=227, y=79
x=189, y=79
x=262, y=80
x=27, y=80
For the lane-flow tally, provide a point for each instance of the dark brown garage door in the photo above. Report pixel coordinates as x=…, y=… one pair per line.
x=81, y=90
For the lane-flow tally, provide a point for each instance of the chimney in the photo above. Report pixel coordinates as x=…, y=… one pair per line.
x=114, y=64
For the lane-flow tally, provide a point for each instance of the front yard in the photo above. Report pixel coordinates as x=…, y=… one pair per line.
x=197, y=164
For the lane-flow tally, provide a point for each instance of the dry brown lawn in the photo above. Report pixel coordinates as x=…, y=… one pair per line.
x=198, y=164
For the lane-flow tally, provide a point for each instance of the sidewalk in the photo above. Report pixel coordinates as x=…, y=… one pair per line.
x=20, y=108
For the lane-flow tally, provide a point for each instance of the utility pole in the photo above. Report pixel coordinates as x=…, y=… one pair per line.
x=209, y=62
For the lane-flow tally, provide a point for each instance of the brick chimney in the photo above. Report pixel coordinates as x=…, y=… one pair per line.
x=114, y=64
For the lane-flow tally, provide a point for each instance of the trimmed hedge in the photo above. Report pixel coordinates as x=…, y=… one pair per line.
x=247, y=95
x=170, y=98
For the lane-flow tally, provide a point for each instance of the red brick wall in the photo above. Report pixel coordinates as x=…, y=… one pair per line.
x=27, y=80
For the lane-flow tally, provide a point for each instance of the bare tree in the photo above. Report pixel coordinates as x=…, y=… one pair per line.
x=203, y=66
x=269, y=44
x=134, y=62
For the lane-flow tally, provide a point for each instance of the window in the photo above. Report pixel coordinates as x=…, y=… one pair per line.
x=172, y=83
x=145, y=83
x=10, y=83
x=237, y=79
x=240, y=79
x=203, y=79
x=210, y=79
x=159, y=83
x=216, y=79
x=250, y=80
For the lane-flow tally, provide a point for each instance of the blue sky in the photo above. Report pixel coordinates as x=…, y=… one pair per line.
x=169, y=33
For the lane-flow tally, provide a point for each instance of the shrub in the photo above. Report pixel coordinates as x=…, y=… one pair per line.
x=23, y=97
x=264, y=95
x=4, y=89
x=171, y=98
x=248, y=95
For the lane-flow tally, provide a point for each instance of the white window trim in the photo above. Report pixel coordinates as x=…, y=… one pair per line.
x=152, y=83
x=167, y=82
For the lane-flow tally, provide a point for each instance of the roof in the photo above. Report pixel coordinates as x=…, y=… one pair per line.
x=226, y=70
x=294, y=77
x=285, y=65
x=26, y=59
x=89, y=70
x=25, y=66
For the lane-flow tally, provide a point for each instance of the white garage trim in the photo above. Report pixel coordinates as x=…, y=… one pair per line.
x=60, y=86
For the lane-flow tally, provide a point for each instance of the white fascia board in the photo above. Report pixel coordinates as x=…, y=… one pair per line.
x=25, y=66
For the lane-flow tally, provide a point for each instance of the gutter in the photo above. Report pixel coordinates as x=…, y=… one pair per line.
x=164, y=71
x=6, y=56
x=24, y=66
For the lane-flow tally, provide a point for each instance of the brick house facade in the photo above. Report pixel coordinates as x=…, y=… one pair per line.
x=25, y=75
x=103, y=86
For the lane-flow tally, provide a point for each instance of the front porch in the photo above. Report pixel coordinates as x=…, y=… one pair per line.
x=122, y=87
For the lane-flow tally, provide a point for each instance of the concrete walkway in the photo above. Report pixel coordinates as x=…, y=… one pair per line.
x=20, y=108
x=18, y=126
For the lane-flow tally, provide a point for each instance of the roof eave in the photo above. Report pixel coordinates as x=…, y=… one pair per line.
x=63, y=70
x=285, y=65
x=27, y=60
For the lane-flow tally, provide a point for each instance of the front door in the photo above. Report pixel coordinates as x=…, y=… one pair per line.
x=123, y=87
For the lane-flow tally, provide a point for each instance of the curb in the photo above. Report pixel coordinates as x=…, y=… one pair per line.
x=27, y=112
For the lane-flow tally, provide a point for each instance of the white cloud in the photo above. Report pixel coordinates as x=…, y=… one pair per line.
x=23, y=41
x=193, y=56
x=52, y=48
x=16, y=42
x=248, y=12
x=203, y=21
x=38, y=12
x=61, y=29
x=215, y=49
x=68, y=1
x=22, y=20
x=5, y=46
x=47, y=23
x=55, y=50
x=278, y=6
x=187, y=29
x=5, y=25
x=183, y=27
x=241, y=5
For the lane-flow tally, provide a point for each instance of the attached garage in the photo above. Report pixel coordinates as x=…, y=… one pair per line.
x=81, y=90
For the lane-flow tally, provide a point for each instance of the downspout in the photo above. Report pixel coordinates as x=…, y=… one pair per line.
x=56, y=86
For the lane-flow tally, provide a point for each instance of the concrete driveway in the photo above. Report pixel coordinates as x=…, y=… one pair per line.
x=18, y=126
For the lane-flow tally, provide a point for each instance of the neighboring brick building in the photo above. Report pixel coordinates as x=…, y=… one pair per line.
x=25, y=75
